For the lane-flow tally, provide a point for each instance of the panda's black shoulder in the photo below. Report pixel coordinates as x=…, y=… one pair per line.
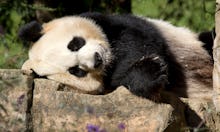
x=99, y=18
x=122, y=20
x=113, y=25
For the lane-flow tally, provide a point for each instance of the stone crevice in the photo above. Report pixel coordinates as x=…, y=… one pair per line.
x=29, y=121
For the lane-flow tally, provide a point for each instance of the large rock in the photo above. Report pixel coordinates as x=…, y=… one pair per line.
x=55, y=110
x=45, y=105
x=201, y=114
x=15, y=92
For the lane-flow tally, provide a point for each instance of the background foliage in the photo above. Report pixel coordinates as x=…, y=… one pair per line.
x=195, y=14
x=198, y=15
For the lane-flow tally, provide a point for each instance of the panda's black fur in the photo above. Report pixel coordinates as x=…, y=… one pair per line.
x=141, y=60
x=30, y=32
x=208, y=38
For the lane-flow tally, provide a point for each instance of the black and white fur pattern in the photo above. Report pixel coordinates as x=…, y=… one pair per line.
x=194, y=52
x=65, y=46
x=141, y=54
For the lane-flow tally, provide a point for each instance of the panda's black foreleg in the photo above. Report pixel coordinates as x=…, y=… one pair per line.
x=147, y=77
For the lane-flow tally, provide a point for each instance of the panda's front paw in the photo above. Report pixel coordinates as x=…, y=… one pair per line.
x=151, y=75
x=156, y=97
x=27, y=68
x=28, y=72
x=161, y=80
x=158, y=60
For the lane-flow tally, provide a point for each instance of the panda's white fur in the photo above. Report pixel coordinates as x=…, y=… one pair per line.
x=86, y=53
x=177, y=36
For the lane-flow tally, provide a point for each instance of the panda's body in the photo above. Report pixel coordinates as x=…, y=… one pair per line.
x=138, y=53
x=191, y=50
x=141, y=60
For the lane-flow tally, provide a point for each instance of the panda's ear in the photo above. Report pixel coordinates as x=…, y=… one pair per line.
x=30, y=32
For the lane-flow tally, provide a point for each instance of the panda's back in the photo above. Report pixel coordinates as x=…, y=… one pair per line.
x=130, y=34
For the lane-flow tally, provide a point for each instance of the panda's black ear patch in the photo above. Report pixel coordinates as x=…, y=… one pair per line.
x=30, y=32
x=76, y=43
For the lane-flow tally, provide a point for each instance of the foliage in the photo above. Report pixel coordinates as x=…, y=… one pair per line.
x=198, y=15
x=12, y=52
x=15, y=13
x=195, y=14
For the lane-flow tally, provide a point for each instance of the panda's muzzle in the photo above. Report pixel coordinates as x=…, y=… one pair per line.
x=98, y=60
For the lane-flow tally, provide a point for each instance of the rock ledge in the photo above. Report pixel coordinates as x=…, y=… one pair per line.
x=28, y=104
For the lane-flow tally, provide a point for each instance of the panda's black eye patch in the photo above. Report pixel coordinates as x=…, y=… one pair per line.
x=76, y=43
x=77, y=71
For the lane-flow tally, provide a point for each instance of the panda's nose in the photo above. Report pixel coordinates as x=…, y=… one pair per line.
x=98, y=60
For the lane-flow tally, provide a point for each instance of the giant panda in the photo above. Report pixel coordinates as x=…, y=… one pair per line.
x=144, y=55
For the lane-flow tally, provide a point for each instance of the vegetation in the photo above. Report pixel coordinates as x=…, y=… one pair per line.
x=197, y=15
x=14, y=12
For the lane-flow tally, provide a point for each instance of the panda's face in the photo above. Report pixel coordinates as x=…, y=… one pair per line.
x=66, y=43
x=93, y=56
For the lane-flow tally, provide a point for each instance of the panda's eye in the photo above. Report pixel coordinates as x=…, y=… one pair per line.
x=77, y=71
x=76, y=43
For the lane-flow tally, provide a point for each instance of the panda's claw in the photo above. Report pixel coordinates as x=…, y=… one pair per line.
x=27, y=72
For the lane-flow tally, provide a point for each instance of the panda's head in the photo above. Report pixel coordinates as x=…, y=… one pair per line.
x=64, y=43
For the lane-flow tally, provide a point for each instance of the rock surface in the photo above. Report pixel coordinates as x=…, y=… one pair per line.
x=60, y=110
x=201, y=114
x=15, y=92
x=28, y=104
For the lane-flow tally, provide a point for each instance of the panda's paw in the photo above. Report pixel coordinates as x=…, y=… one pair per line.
x=156, y=97
x=162, y=80
x=162, y=71
x=32, y=73
x=153, y=58
x=27, y=67
x=28, y=72
x=158, y=60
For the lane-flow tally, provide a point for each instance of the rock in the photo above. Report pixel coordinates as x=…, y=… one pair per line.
x=15, y=92
x=28, y=104
x=55, y=110
x=205, y=117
